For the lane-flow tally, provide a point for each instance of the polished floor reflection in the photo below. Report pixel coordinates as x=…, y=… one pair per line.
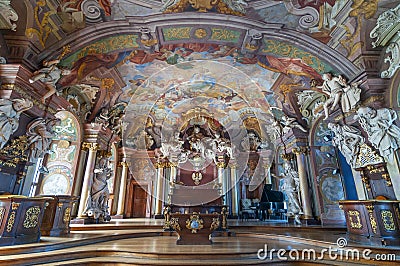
x=143, y=242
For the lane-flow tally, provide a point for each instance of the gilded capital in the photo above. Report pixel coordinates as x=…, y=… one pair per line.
x=124, y=164
x=287, y=156
x=90, y=146
x=301, y=150
x=220, y=164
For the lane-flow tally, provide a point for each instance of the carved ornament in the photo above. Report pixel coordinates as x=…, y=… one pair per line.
x=194, y=223
x=386, y=32
x=388, y=221
x=7, y=16
x=31, y=217
x=90, y=146
x=354, y=219
x=215, y=224
x=366, y=157
x=387, y=25
x=372, y=220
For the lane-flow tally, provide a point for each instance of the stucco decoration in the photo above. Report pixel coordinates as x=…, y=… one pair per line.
x=7, y=16
x=387, y=32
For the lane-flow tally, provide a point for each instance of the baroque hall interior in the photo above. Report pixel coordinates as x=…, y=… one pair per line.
x=231, y=132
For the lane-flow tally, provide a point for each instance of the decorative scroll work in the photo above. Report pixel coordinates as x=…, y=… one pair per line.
x=310, y=103
x=387, y=31
x=7, y=16
x=387, y=25
x=310, y=15
x=232, y=7
x=31, y=217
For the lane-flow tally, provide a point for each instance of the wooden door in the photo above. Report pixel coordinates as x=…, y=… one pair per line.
x=139, y=201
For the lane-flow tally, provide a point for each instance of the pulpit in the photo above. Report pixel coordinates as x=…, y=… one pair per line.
x=20, y=219
x=57, y=215
x=375, y=221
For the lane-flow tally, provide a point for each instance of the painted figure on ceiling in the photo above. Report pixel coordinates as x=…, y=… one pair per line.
x=381, y=130
x=10, y=111
x=49, y=75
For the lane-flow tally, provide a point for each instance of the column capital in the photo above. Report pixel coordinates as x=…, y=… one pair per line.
x=301, y=150
x=90, y=146
x=220, y=164
x=287, y=156
x=124, y=164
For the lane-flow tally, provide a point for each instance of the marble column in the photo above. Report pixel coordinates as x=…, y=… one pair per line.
x=87, y=178
x=304, y=189
x=172, y=180
x=235, y=194
x=159, y=188
x=122, y=189
x=221, y=181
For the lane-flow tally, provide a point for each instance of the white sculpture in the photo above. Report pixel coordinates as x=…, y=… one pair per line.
x=10, y=111
x=381, y=130
x=173, y=145
x=40, y=134
x=338, y=90
x=348, y=140
x=291, y=189
x=97, y=203
x=290, y=123
x=49, y=75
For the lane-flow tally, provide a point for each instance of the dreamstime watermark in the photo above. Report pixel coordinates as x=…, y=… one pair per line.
x=340, y=252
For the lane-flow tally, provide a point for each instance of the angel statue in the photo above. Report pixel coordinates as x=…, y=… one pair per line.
x=338, y=90
x=10, y=111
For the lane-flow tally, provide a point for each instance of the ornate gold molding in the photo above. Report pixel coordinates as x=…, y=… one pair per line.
x=90, y=146
x=31, y=217
x=388, y=221
x=357, y=223
x=67, y=215
x=287, y=156
x=215, y=224
x=387, y=179
x=301, y=150
x=220, y=165
x=194, y=223
x=372, y=220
